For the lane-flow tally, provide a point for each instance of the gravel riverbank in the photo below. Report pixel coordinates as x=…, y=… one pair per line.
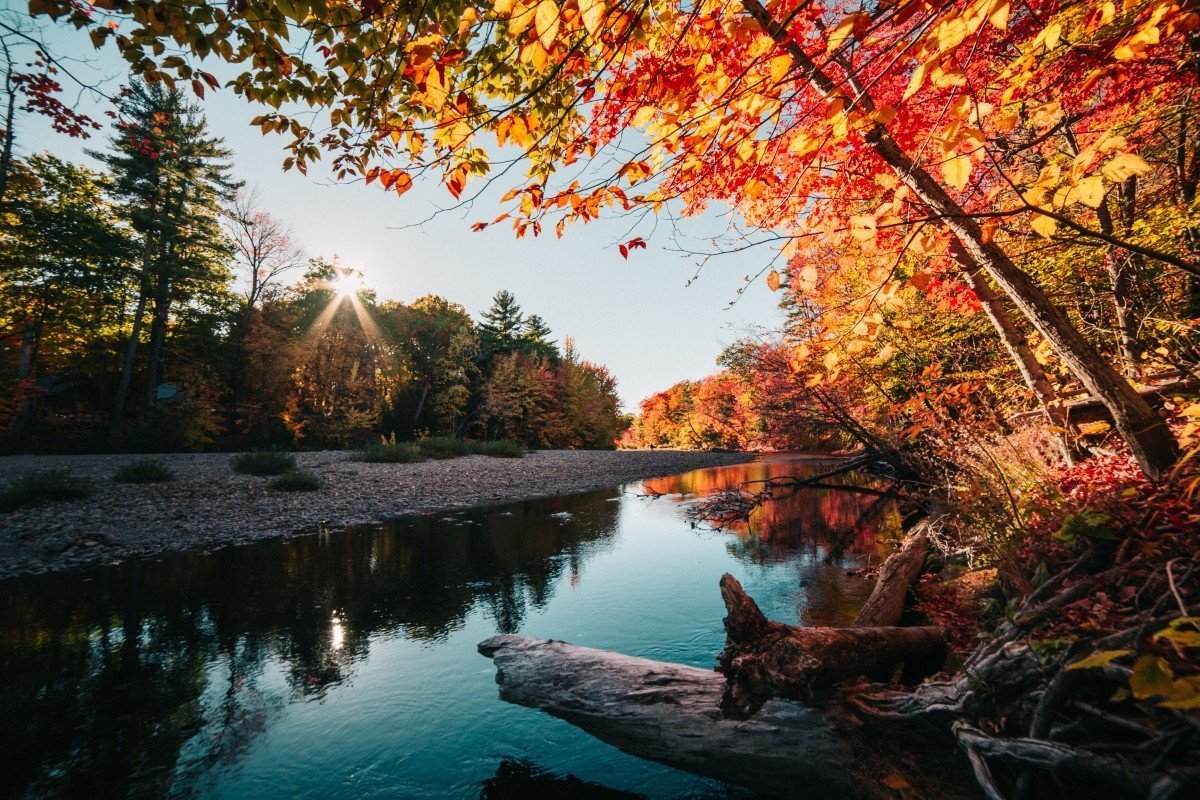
x=208, y=505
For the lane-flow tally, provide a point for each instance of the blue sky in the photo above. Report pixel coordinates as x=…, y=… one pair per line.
x=636, y=316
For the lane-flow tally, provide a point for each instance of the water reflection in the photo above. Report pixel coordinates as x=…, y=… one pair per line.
x=160, y=678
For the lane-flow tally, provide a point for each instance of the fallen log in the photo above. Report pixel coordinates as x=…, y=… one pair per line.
x=763, y=658
x=740, y=724
x=669, y=713
x=886, y=604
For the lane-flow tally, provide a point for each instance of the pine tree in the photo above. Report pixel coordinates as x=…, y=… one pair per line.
x=171, y=180
x=503, y=328
x=535, y=339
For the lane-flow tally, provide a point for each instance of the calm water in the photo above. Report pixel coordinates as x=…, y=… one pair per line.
x=343, y=665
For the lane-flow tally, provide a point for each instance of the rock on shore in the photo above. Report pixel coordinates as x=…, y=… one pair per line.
x=209, y=505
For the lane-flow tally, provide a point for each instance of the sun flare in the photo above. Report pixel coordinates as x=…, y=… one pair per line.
x=346, y=285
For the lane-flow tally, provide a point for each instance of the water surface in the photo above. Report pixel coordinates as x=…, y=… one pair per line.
x=343, y=664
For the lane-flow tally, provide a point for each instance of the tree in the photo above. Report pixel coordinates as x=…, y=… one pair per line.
x=64, y=261
x=265, y=252
x=435, y=344
x=535, y=339
x=170, y=178
x=504, y=326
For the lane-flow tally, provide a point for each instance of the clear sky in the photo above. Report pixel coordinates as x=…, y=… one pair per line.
x=636, y=316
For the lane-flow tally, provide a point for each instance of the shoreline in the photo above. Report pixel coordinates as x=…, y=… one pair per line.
x=208, y=505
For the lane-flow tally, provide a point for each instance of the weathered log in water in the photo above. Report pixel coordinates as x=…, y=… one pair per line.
x=670, y=713
x=763, y=658
x=885, y=606
x=740, y=725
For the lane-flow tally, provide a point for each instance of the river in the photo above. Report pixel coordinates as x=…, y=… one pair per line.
x=343, y=664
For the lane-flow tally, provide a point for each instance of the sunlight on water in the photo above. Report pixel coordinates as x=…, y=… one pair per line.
x=344, y=664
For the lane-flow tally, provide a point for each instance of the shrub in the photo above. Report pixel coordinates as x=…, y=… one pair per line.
x=388, y=452
x=296, y=481
x=443, y=447
x=145, y=471
x=42, y=487
x=264, y=462
x=501, y=448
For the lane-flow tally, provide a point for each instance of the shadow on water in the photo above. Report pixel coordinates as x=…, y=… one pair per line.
x=162, y=678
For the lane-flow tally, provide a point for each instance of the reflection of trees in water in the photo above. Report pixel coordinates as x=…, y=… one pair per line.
x=821, y=532
x=140, y=679
x=793, y=522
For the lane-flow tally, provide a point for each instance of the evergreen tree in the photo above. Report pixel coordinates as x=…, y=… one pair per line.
x=171, y=179
x=63, y=264
x=535, y=339
x=503, y=328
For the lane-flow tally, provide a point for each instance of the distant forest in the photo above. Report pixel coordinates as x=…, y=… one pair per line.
x=156, y=305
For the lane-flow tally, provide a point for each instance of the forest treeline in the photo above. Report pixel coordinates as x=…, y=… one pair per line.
x=156, y=305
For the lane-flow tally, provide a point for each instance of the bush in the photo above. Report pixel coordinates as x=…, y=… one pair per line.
x=145, y=471
x=296, y=481
x=264, y=462
x=501, y=448
x=42, y=487
x=443, y=447
x=392, y=452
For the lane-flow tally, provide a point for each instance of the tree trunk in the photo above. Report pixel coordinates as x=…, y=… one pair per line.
x=1147, y=434
x=30, y=333
x=763, y=658
x=130, y=356
x=158, y=334
x=885, y=606
x=669, y=713
x=420, y=407
x=1017, y=345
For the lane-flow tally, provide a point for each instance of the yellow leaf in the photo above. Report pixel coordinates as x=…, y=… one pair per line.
x=884, y=115
x=1125, y=166
x=1051, y=35
x=502, y=8
x=1100, y=659
x=957, y=171
x=643, y=116
x=862, y=228
x=1090, y=191
x=839, y=35
x=780, y=66
x=999, y=14
x=594, y=12
x=773, y=281
x=1044, y=226
x=545, y=20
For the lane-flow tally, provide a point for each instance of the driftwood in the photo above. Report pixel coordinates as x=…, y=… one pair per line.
x=886, y=604
x=763, y=658
x=739, y=724
x=670, y=713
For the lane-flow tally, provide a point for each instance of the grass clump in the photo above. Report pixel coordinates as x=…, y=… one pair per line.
x=443, y=447
x=296, y=481
x=144, y=471
x=264, y=462
x=42, y=487
x=501, y=448
x=389, y=452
